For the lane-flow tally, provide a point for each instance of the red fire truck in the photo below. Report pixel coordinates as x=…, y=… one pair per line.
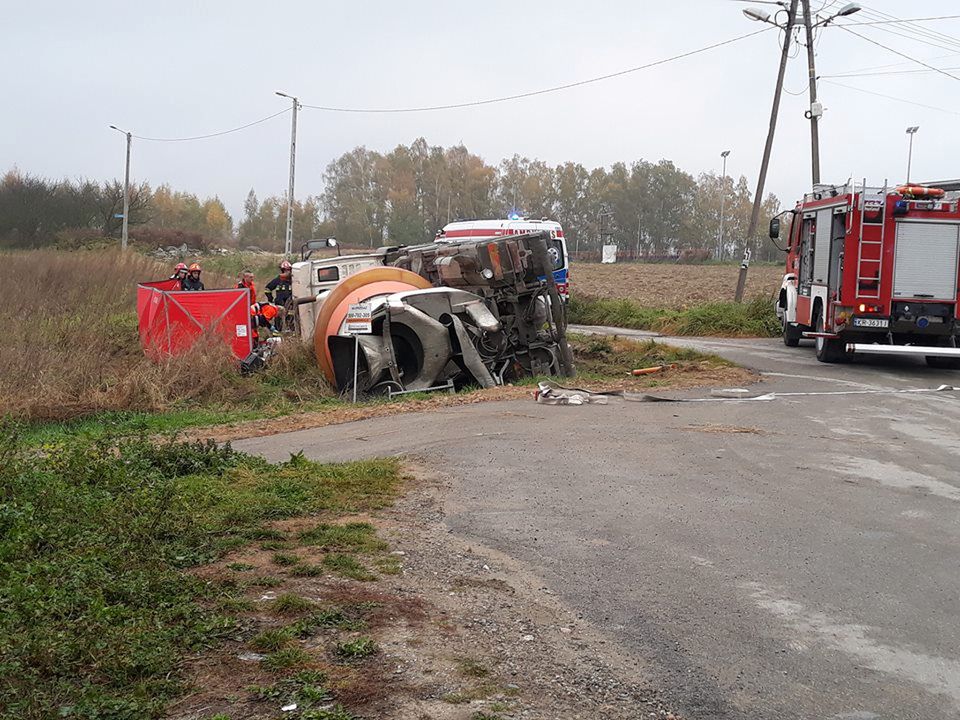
x=873, y=270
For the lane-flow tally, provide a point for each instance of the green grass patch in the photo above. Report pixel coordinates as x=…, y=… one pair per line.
x=96, y=540
x=335, y=618
x=356, y=536
x=265, y=581
x=306, y=570
x=754, y=318
x=285, y=559
x=271, y=640
x=348, y=566
x=306, y=688
x=357, y=649
x=290, y=604
x=287, y=658
x=239, y=567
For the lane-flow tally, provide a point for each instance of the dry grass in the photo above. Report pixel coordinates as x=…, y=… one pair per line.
x=72, y=344
x=669, y=285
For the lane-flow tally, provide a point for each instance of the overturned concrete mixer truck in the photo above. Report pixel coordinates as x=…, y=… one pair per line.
x=444, y=315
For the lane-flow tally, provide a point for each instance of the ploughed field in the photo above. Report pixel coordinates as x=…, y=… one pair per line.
x=670, y=285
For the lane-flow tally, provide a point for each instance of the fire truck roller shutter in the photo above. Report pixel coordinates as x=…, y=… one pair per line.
x=356, y=288
x=925, y=260
x=821, y=250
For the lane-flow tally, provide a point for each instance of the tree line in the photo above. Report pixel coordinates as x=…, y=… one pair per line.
x=645, y=208
x=405, y=196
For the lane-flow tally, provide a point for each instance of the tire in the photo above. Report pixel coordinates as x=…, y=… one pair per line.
x=944, y=363
x=791, y=333
x=828, y=351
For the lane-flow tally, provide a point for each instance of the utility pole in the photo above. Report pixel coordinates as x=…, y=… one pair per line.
x=288, y=242
x=126, y=190
x=816, y=109
x=767, y=148
x=911, y=131
x=723, y=197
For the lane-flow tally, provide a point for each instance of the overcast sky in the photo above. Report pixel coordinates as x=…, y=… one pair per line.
x=185, y=68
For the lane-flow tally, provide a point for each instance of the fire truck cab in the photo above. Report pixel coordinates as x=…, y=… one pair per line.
x=873, y=270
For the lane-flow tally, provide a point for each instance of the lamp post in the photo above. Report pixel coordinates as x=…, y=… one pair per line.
x=763, y=16
x=911, y=131
x=288, y=242
x=126, y=189
x=816, y=108
x=723, y=197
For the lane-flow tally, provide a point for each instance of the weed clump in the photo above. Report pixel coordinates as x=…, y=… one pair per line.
x=357, y=649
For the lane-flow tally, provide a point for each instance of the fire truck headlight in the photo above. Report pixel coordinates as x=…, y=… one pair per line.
x=862, y=308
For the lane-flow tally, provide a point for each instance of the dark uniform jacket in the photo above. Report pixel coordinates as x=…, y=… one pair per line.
x=279, y=290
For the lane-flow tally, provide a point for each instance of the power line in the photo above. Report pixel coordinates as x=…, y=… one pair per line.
x=892, y=65
x=544, y=91
x=215, y=134
x=920, y=33
x=892, y=97
x=913, y=24
x=896, y=52
x=915, y=38
x=884, y=72
x=910, y=21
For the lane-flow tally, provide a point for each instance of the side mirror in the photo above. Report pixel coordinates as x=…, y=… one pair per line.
x=331, y=242
x=774, y=228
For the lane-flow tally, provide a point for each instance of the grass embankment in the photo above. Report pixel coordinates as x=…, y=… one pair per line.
x=98, y=541
x=604, y=358
x=753, y=318
x=72, y=349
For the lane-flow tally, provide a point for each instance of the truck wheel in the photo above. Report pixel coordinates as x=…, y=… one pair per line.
x=791, y=333
x=828, y=350
x=944, y=363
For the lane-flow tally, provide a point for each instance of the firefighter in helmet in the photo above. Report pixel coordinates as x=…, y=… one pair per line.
x=280, y=293
x=179, y=273
x=262, y=316
x=193, y=281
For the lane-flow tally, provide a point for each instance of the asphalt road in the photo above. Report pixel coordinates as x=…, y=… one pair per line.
x=794, y=557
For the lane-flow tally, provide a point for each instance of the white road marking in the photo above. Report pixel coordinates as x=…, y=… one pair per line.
x=893, y=475
x=820, y=378
x=937, y=674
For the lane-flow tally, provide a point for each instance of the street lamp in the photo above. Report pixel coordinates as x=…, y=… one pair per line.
x=757, y=14
x=126, y=189
x=911, y=131
x=723, y=197
x=848, y=9
x=288, y=242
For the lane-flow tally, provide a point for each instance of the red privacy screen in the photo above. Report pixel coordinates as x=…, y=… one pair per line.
x=171, y=321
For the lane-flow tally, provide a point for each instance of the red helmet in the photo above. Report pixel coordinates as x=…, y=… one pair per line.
x=285, y=266
x=195, y=267
x=180, y=266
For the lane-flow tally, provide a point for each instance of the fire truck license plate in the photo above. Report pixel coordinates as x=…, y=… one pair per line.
x=871, y=322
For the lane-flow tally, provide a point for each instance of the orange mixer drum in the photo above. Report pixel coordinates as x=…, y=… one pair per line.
x=357, y=288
